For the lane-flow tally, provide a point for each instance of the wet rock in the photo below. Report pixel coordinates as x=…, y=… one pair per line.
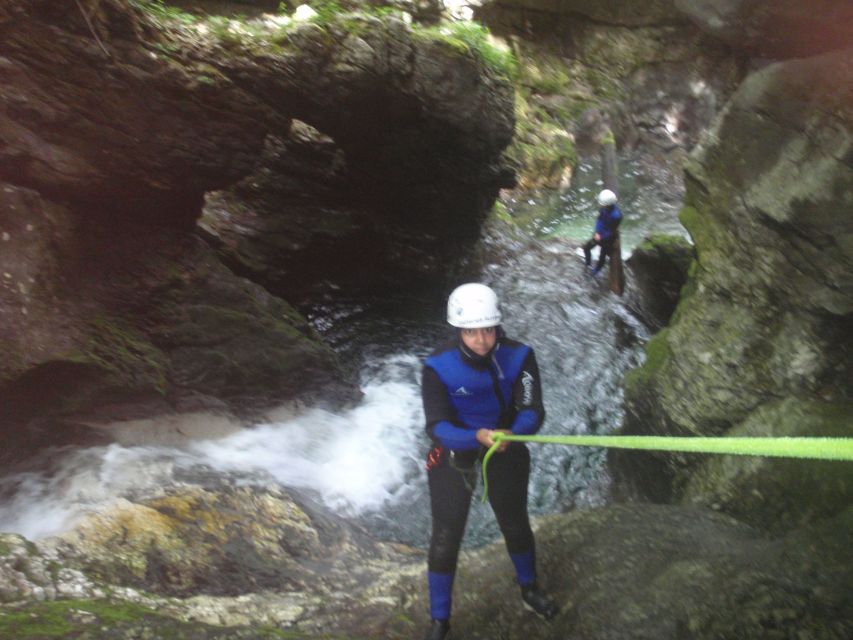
x=29, y=572
x=114, y=128
x=144, y=323
x=766, y=314
x=665, y=572
x=659, y=268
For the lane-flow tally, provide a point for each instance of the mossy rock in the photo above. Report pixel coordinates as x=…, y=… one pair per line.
x=660, y=266
x=666, y=572
x=779, y=493
x=641, y=380
x=119, y=620
x=129, y=356
x=222, y=543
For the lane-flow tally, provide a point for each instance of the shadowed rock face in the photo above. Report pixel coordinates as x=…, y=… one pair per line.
x=127, y=129
x=110, y=325
x=782, y=29
x=385, y=176
x=659, y=268
x=766, y=313
x=113, y=127
x=614, y=12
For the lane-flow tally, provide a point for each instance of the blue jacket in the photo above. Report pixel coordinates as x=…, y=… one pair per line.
x=608, y=221
x=463, y=392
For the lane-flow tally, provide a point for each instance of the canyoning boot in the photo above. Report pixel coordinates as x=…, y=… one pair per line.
x=538, y=602
x=440, y=630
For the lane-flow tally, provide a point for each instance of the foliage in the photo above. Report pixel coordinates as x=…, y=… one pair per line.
x=472, y=38
x=327, y=10
x=541, y=145
x=159, y=9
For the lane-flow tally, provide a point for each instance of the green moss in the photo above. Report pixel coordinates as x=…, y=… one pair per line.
x=541, y=144
x=5, y=549
x=121, y=350
x=162, y=11
x=472, y=38
x=658, y=352
x=693, y=221
x=500, y=212
x=46, y=620
x=664, y=242
x=115, y=620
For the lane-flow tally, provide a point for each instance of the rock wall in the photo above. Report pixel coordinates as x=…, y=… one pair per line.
x=639, y=71
x=118, y=117
x=779, y=30
x=760, y=343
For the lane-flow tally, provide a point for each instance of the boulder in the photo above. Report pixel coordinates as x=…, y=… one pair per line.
x=231, y=555
x=665, y=572
x=659, y=266
x=779, y=494
x=110, y=327
x=766, y=312
x=117, y=124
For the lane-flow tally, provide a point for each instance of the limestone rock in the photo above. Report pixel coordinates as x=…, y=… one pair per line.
x=116, y=120
x=765, y=314
x=664, y=572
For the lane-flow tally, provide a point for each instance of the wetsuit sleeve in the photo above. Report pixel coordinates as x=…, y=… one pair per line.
x=616, y=219
x=441, y=423
x=527, y=398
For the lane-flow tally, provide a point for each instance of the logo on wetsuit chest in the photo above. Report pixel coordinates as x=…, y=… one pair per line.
x=527, y=384
x=462, y=391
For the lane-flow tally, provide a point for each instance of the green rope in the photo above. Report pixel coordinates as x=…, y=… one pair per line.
x=814, y=448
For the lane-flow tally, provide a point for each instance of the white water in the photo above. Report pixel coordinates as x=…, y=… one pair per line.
x=356, y=461
x=367, y=462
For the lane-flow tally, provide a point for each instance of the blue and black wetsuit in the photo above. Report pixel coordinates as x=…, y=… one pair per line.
x=606, y=226
x=464, y=392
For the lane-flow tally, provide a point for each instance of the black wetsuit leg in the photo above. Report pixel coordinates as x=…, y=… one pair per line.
x=508, y=474
x=587, y=251
x=450, y=498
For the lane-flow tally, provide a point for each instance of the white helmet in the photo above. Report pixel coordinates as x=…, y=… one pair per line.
x=473, y=306
x=606, y=198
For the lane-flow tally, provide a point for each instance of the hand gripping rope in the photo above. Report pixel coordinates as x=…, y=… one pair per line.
x=814, y=448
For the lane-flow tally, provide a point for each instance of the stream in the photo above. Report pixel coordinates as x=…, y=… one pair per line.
x=367, y=462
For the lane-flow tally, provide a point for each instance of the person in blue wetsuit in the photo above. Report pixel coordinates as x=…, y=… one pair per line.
x=475, y=385
x=606, y=228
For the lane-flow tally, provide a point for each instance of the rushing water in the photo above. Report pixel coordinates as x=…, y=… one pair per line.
x=367, y=462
